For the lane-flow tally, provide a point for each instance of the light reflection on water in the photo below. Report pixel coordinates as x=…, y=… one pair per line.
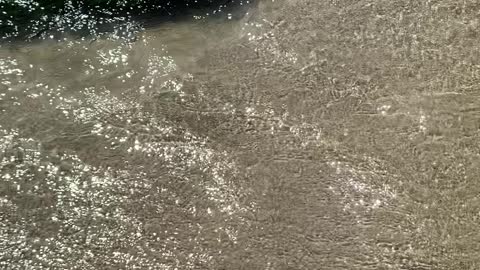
x=300, y=136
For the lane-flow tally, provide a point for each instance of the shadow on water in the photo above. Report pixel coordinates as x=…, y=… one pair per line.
x=79, y=21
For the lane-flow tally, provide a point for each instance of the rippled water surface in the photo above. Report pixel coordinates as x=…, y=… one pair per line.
x=294, y=134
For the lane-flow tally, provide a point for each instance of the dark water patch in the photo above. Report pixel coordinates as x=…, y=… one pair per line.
x=30, y=20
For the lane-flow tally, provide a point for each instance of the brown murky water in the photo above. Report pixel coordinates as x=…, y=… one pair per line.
x=305, y=135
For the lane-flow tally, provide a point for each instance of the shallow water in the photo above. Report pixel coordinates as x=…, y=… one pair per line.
x=302, y=135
